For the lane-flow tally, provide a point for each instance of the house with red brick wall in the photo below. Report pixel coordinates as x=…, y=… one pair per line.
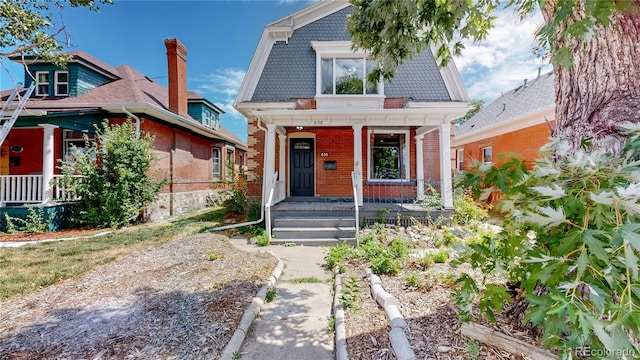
x=192, y=150
x=518, y=122
x=319, y=131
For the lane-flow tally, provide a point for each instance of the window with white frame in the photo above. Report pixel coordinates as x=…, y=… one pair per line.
x=216, y=170
x=388, y=155
x=75, y=143
x=206, y=117
x=343, y=71
x=230, y=164
x=460, y=159
x=487, y=154
x=42, y=83
x=61, y=83
x=347, y=76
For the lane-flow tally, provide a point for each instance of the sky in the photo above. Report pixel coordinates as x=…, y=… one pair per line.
x=221, y=37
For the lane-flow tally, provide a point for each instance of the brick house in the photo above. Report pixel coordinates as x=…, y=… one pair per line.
x=319, y=131
x=191, y=147
x=517, y=122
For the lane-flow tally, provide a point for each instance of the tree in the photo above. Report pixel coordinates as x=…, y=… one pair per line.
x=592, y=44
x=476, y=106
x=114, y=184
x=27, y=27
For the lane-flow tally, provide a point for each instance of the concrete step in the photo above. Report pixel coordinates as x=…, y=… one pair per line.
x=313, y=232
x=314, y=221
x=315, y=242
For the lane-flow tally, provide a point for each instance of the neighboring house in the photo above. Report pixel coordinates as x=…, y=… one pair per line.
x=518, y=122
x=327, y=132
x=191, y=147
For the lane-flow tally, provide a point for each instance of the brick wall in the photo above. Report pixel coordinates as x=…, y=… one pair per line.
x=525, y=142
x=31, y=156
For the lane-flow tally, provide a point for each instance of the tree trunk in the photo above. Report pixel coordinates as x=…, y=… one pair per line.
x=602, y=88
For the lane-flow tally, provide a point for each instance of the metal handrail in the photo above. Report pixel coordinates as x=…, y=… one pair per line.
x=354, y=185
x=267, y=206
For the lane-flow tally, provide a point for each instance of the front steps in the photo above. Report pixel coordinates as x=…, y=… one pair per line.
x=314, y=229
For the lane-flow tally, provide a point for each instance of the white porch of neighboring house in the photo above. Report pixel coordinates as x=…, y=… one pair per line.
x=424, y=118
x=36, y=189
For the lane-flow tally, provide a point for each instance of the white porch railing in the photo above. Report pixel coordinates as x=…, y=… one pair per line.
x=28, y=189
x=354, y=185
x=268, y=204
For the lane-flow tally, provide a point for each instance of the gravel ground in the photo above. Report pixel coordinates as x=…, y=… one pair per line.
x=169, y=301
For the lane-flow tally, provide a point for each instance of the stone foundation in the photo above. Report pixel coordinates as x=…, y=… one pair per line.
x=172, y=204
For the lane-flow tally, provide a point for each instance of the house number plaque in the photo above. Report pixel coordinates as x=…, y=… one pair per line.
x=324, y=154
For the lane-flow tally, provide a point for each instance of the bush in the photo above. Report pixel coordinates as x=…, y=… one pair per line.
x=571, y=239
x=466, y=211
x=115, y=182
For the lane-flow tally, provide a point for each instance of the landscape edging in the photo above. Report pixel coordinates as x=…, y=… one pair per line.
x=339, y=320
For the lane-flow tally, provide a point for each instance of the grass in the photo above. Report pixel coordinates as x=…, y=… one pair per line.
x=305, y=280
x=30, y=268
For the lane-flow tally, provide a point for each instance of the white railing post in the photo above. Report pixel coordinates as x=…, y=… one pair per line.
x=267, y=206
x=354, y=185
x=419, y=166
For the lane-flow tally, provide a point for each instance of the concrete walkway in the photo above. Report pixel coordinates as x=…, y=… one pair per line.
x=295, y=325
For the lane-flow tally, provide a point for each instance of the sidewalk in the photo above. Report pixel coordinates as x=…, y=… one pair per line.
x=295, y=325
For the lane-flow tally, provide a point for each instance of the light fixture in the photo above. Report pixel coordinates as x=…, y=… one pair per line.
x=299, y=128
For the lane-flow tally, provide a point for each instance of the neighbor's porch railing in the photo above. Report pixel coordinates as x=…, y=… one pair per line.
x=29, y=189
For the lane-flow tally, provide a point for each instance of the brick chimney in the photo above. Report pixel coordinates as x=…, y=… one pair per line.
x=177, y=66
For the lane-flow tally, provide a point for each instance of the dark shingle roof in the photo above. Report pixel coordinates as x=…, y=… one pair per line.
x=539, y=94
x=290, y=70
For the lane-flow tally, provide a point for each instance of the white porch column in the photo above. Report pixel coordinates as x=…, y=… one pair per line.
x=47, y=163
x=357, y=159
x=420, y=165
x=446, y=187
x=270, y=163
x=282, y=158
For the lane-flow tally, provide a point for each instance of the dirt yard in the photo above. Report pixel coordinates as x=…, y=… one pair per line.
x=179, y=300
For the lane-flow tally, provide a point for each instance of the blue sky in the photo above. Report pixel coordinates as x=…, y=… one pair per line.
x=221, y=37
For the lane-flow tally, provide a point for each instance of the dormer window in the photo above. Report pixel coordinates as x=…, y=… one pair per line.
x=347, y=76
x=207, y=118
x=61, y=83
x=42, y=83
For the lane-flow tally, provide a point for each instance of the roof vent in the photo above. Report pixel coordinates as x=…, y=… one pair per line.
x=525, y=83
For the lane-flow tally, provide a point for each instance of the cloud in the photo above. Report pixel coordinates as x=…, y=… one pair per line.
x=504, y=59
x=221, y=87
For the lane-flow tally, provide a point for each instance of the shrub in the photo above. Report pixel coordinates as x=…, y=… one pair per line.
x=385, y=264
x=571, y=239
x=115, y=182
x=466, y=211
x=338, y=254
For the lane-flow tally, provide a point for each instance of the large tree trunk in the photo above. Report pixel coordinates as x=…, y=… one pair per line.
x=602, y=89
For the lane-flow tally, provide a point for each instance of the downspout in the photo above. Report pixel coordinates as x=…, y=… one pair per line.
x=264, y=190
x=137, y=121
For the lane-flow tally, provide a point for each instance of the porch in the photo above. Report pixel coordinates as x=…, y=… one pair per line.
x=21, y=190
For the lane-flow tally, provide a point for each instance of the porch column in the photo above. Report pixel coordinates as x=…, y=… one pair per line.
x=282, y=160
x=420, y=165
x=47, y=163
x=445, y=166
x=270, y=164
x=357, y=159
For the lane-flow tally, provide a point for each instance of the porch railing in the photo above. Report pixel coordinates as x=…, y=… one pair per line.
x=29, y=189
x=268, y=204
x=398, y=191
x=354, y=185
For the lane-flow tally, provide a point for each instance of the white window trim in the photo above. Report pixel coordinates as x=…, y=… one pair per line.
x=339, y=49
x=38, y=83
x=407, y=167
x=206, y=117
x=56, y=82
x=460, y=159
x=218, y=176
x=482, y=154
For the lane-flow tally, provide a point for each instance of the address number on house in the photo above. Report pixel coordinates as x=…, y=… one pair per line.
x=324, y=154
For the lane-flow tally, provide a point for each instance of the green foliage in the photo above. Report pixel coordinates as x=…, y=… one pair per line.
x=384, y=264
x=213, y=256
x=349, y=295
x=466, y=211
x=34, y=223
x=476, y=106
x=415, y=281
x=332, y=324
x=440, y=257
x=394, y=31
x=447, y=239
x=398, y=249
x=238, y=201
x=260, y=239
x=116, y=185
x=431, y=199
x=338, y=254
x=472, y=348
x=271, y=294
x=29, y=29
x=571, y=238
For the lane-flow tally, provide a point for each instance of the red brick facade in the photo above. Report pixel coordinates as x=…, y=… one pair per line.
x=524, y=142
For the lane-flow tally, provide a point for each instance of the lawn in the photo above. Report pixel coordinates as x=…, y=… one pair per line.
x=32, y=267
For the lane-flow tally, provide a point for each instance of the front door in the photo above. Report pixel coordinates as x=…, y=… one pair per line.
x=302, y=174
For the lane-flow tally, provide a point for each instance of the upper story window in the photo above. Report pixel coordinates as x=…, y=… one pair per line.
x=61, y=83
x=207, y=117
x=42, y=83
x=347, y=76
x=341, y=71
